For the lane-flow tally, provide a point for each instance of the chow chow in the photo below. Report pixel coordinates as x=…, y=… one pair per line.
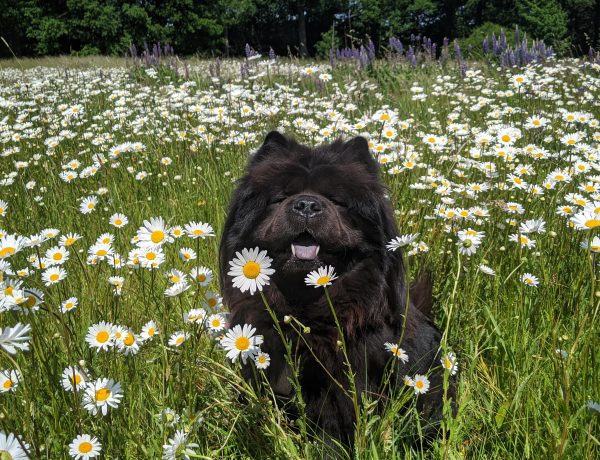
x=312, y=207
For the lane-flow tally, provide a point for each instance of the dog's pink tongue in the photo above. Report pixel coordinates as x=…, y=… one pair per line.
x=305, y=252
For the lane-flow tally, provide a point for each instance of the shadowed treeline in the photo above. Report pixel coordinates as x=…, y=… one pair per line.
x=300, y=27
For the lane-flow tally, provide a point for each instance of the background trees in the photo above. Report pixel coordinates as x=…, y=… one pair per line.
x=223, y=27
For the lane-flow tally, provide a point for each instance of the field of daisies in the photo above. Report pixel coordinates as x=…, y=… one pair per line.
x=114, y=183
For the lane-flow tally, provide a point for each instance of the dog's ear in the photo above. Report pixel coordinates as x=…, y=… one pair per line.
x=273, y=142
x=357, y=149
x=276, y=138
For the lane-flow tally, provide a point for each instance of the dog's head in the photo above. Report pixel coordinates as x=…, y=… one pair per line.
x=308, y=208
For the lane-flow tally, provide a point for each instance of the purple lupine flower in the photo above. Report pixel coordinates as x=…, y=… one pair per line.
x=412, y=59
x=457, y=53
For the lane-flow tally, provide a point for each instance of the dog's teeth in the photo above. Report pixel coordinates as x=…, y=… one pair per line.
x=317, y=253
x=293, y=250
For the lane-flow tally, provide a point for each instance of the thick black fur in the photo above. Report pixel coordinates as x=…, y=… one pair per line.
x=352, y=227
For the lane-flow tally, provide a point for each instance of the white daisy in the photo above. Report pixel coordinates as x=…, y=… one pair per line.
x=84, y=447
x=321, y=277
x=102, y=394
x=250, y=270
x=398, y=352
x=241, y=341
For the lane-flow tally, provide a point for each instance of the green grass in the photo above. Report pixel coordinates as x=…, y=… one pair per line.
x=517, y=398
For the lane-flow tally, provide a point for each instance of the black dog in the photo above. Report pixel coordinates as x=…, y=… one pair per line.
x=327, y=206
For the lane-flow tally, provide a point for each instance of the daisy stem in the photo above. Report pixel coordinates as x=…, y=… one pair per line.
x=288, y=356
x=349, y=373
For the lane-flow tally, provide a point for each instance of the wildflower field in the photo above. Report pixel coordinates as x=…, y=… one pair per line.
x=114, y=184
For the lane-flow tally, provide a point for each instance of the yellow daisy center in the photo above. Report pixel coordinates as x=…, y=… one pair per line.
x=76, y=379
x=57, y=256
x=102, y=394
x=592, y=223
x=179, y=340
x=212, y=302
x=150, y=256
x=151, y=331
x=262, y=359
x=129, y=340
x=419, y=384
x=102, y=336
x=198, y=232
x=54, y=277
x=69, y=241
x=251, y=270
x=101, y=252
x=242, y=343
x=8, y=383
x=201, y=277
x=118, y=221
x=215, y=323
x=323, y=280
x=7, y=251
x=30, y=301
x=157, y=236
x=506, y=138
x=85, y=447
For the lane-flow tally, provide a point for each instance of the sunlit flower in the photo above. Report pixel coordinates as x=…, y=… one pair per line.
x=202, y=275
x=262, y=360
x=450, y=363
x=84, y=447
x=177, y=338
x=10, y=245
x=9, y=380
x=102, y=394
x=118, y=220
x=240, y=341
x=13, y=448
x=149, y=330
x=198, y=230
x=100, y=336
x=178, y=447
x=396, y=351
x=250, y=270
x=321, y=277
x=401, y=241
x=88, y=204
x=153, y=233
x=420, y=384
x=73, y=379
x=53, y=275
x=216, y=322
x=529, y=279
x=15, y=338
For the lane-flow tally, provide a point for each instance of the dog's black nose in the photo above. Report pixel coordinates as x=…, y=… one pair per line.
x=307, y=206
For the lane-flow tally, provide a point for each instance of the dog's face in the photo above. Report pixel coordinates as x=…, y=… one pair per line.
x=309, y=208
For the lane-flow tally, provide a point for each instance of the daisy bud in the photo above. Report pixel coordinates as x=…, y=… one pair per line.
x=287, y=319
x=552, y=234
x=339, y=343
x=307, y=329
x=81, y=362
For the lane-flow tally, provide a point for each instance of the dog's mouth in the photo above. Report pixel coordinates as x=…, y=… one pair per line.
x=305, y=247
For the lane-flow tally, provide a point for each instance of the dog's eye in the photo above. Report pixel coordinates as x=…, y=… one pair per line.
x=277, y=199
x=337, y=202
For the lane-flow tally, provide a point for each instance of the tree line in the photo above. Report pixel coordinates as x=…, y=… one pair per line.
x=299, y=27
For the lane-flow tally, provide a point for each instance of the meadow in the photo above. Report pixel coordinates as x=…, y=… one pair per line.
x=110, y=332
